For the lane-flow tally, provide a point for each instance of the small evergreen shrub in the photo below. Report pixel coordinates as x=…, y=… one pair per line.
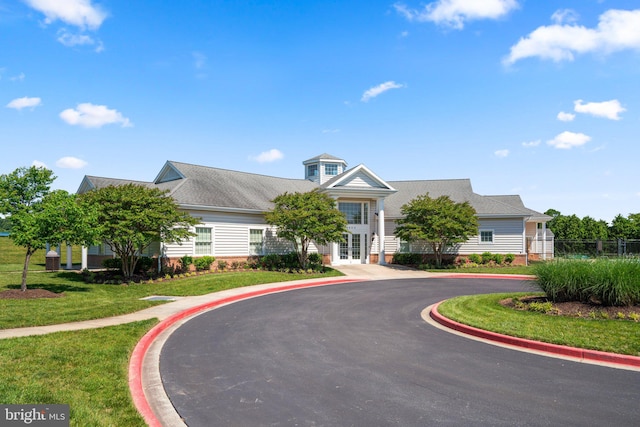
x=509, y=258
x=475, y=259
x=487, y=257
x=203, y=263
x=498, y=258
x=405, y=258
x=185, y=262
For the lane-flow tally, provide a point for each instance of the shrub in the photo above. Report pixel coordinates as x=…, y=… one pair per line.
x=185, y=262
x=509, y=258
x=475, y=258
x=222, y=264
x=112, y=263
x=498, y=258
x=203, y=263
x=404, y=258
x=487, y=257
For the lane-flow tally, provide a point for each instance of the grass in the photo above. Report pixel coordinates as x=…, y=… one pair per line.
x=12, y=257
x=612, y=282
x=485, y=312
x=74, y=368
x=84, y=301
x=480, y=269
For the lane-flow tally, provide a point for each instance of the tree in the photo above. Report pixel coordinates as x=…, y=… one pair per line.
x=130, y=217
x=39, y=216
x=308, y=217
x=439, y=222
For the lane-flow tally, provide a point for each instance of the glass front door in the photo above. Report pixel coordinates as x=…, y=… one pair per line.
x=350, y=249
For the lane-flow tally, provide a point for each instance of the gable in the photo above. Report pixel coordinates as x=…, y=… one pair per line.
x=360, y=180
x=168, y=173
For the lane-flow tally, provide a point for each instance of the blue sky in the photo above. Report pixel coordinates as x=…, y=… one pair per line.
x=526, y=97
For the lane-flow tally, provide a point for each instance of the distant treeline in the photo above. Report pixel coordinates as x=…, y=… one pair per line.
x=570, y=227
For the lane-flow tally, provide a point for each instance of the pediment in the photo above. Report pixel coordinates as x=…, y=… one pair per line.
x=168, y=173
x=359, y=177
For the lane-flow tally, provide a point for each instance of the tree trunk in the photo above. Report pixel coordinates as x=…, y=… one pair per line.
x=25, y=269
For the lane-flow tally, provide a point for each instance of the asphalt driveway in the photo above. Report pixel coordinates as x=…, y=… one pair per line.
x=359, y=354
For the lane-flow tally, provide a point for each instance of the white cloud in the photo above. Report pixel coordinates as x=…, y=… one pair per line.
x=531, y=143
x=617, y=30
x=39, y=164
x=268, y=156
x=381, y=88
x=79, y=13
x=501, y=153
x=607, y=109
x=566, y=117
x=93, y=116
x=70, y=163
x=454, y=13
x=19, y=78
x=25, y=102
x=565, y=16
x=567, y=140
x=70, y=40
x=199, y=60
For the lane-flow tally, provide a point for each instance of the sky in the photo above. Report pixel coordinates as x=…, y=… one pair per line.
x=536, y=98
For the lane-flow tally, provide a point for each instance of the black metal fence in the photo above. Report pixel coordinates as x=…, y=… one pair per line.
x=596, y=248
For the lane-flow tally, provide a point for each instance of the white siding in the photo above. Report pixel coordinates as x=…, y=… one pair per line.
x=360, y=180
x=508, y=237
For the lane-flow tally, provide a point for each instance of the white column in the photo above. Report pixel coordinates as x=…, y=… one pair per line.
x=381, y=252
x=69, y=260
x=85, y=252
x=544, y=240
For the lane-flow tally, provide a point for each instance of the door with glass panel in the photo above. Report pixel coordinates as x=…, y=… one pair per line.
x=353, y=248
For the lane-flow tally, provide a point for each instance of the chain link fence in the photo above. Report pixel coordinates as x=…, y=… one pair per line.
x=596, y=248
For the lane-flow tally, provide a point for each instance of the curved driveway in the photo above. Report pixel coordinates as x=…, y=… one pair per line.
x=359, y=354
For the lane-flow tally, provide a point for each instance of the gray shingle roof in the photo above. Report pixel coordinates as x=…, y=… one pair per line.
x=221, y=188
x=224, y=188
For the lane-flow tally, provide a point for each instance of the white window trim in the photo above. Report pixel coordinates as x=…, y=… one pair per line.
x=195, y=241
x=263, y=249
x=486, y=230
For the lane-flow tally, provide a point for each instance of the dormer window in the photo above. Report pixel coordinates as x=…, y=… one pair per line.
x=331, y=169
x=312, y=170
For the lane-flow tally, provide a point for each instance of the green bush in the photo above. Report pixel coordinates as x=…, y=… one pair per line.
x=475, y=258
x=404, y=258
x=498, y=258
x=185, y=262
x=112, y=263
x=203, y=263
x=608, y=282
x=509, y=258
x=487, y=257
x=222, y=264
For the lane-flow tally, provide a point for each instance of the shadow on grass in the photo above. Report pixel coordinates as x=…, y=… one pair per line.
x=56, y=288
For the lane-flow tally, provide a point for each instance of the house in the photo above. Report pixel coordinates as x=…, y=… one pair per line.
x=232, y=204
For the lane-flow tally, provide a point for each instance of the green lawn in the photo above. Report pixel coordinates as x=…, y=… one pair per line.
x=485, y=312
x=88, y=370
x=12, y=257
x=84, y=301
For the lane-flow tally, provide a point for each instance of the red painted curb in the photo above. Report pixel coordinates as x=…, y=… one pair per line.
x=579, y=353
x=135, y=363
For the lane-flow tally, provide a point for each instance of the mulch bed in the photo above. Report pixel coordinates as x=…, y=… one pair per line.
x=577, y=309
x=28, y=294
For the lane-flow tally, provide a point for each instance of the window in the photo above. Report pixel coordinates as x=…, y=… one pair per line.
x=331, y=169
x=256, y=242
x=352, y=211
x=405, y=247
x=486, y=236
x=203, y=241
x=312, y=170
